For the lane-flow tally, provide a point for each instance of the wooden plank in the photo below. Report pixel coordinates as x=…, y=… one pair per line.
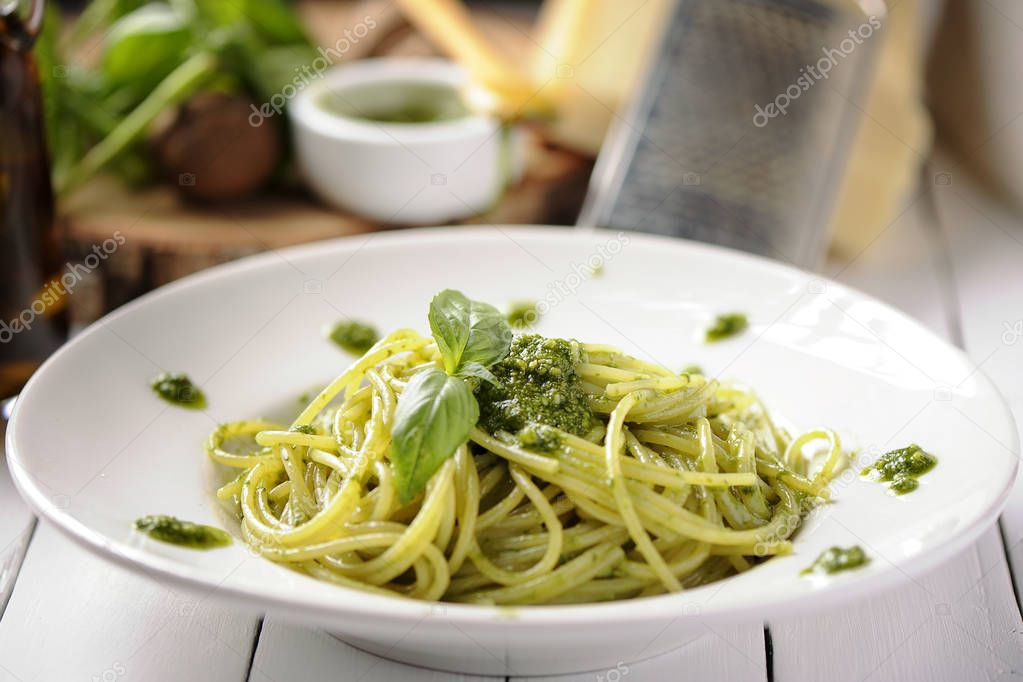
x=16, y=524
x=733, y=653
x=74, y=616
x=985, y=241
x=958, y=622
x=288, y=652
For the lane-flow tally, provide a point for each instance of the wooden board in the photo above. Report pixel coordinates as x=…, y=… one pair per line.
x=165, y=238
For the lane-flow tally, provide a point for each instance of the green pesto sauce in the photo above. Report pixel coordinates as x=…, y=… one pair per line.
x=537, y=385
x=726, y=325
x=902, y=467
x=539, y=437
x=407, y=102
x=304, y=397
x=411, y=112
x=177, y=389
x=835, y=559
x=692, y=369
x=903, y=485
x=353, y=336
x=508, y=612
x=183, y=533
x=304, y=428
x=523, y=314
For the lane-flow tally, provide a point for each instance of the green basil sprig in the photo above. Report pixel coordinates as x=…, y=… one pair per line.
x=437, y=409
x=468, y=331
x=435, y=413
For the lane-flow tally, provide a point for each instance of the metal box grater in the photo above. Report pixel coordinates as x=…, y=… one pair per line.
x=686, y=158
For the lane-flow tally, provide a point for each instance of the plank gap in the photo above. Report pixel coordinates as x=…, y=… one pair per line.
x=955, y=321
x=10, y=566
x=255, y=647
x=942, y=254
x=1008, y=560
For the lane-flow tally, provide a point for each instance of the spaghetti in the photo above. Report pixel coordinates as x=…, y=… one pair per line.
x=677, y=481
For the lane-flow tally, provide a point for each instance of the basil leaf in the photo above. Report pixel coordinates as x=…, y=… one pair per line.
x=449, y=322
x=434, y=416
x=271, y=69
x=475, y=369
x=468, y=331
x=490, y=335
x=143, y=47
x=275, y=22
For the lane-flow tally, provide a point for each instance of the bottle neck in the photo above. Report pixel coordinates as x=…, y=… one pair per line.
x=32, y=324
x=18, y=31
x=21, y=109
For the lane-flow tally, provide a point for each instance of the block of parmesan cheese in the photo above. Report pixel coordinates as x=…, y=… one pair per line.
x=590, y=55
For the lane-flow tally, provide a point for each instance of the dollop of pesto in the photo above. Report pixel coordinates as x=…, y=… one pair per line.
x=539, y=437
x=537, y=385
x=726, y=325
x=523, y=314
x=410, y=102
x=902, y=467
x=177, y=389
x=184, y=533
x=835, y=559
x=353, y=336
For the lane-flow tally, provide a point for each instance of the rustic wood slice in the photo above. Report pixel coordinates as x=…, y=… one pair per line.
x=167, y=238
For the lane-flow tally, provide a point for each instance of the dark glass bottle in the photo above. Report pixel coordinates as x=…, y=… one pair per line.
x=32, y=320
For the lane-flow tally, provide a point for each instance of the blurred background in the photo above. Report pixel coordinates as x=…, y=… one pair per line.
x=144, y=141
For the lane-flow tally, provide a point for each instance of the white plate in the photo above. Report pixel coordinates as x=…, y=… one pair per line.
x=91, y=448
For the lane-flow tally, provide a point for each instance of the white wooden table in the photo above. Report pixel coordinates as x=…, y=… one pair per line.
x=65, y=615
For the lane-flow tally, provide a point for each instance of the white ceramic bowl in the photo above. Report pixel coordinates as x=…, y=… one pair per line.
x=411, y=174
x=91, y=448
